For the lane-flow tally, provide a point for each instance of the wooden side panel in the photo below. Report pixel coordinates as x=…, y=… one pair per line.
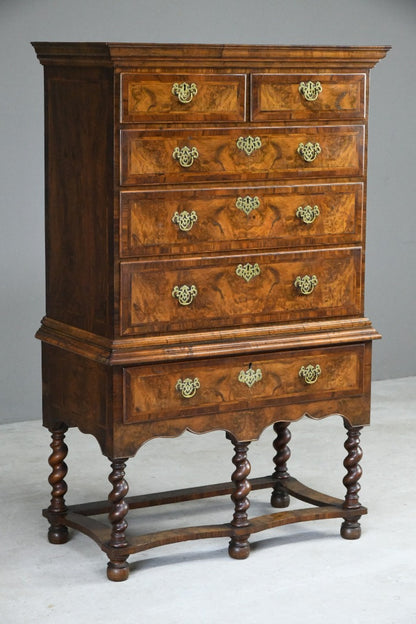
x=149, y=226
x=149, y=98
x=79, y=200
x=148, y=157
x=224, y=298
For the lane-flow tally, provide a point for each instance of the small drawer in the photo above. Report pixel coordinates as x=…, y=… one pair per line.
x=226, y=291
x=249, y=153
x=166, y=391
x=183, y=97
x=276, y=97
x=182, y=221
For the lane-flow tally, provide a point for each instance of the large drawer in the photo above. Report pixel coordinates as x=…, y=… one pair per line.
x=184, y=221
x=250, y=153
x=297, y=97
x=224, y=291
x=183, y=97
x=185, y=389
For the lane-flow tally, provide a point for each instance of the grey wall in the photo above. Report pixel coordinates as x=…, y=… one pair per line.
x=391, y=251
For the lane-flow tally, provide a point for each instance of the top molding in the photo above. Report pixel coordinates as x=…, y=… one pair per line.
x=127, y=54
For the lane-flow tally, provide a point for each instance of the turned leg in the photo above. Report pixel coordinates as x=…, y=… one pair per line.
x=58, y=533
x=280, y=498
x=117, y=567
x=239, y=547
x=350, y=528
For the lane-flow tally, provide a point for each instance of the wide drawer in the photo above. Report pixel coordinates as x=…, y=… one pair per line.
x=252, y=153
x=182, y=221
x=183, y=97
x=162, y=392
x=221, y=291
x=276, y=97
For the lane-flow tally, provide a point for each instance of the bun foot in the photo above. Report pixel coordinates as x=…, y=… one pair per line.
x=118, y=571
x=279, y=499
x=239, y=550
x=350, y=530
x=58, y=534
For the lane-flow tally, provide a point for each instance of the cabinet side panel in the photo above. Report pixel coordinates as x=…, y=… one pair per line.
x=79, y=182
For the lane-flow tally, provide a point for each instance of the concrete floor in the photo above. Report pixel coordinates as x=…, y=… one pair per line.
x=297, y=573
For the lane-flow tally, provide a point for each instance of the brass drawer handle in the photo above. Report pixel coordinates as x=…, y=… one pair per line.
x=247, y=204
x=185, y=220
x=307, y=214
x=306, y=284
x=310, y=373
x=248, y=271
x=250, y=376
x=184, y=91
x=185, y=294
x=186, y=155
x=188, y=387
x=309, y=151
x=249, y=144
x=310, y=90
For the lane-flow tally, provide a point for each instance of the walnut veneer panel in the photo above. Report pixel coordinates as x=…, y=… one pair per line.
x=224, y=298
x=150, y=219
x=147, y=157
x=149, y=98
x=277, y=97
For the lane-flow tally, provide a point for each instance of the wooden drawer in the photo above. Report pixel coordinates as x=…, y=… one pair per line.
x=276, y=97
x=183, y=97
x=148, y=158
x=166, y=222
x=221, y=291
x=160, y=392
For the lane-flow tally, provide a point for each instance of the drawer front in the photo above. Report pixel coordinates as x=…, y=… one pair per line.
x=167, y=222
x=224, y=291
x=162, y=392
x=262, y=153
x=183, y=97
x=276, y=97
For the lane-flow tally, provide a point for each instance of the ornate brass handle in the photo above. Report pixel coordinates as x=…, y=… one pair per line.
x=306, y=284
x=185, y=220
x=307, y=214
x=310, y=373
x=186, y=155
x=250, y=376
x=249, y=144
x=185, y=294
x=309, y=151
x=310, y=90
x=247, y=203
x=188, y=387
x=248, y=271
x=184, y=91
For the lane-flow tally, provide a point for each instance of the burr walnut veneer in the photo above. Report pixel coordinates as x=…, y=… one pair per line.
x=205, y=223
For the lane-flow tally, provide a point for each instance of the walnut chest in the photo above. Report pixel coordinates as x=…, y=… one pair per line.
x=205, y=222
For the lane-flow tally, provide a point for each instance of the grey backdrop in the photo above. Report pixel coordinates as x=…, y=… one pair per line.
x=391, y=250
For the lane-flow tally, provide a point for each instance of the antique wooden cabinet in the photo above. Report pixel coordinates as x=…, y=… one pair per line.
x=205, y=224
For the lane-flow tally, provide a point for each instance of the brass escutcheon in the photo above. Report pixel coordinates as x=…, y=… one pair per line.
x=184, y=91
x=247, y=203
x=250, y=376
x=310, y=90
x=310, y=373
x=185, y=220
x=306, y=284
x=307, y=214
x=249, y=144
x=248, y=271
x=186, y=155
x=185, y=294
x=309, y=151
x=188, y=387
